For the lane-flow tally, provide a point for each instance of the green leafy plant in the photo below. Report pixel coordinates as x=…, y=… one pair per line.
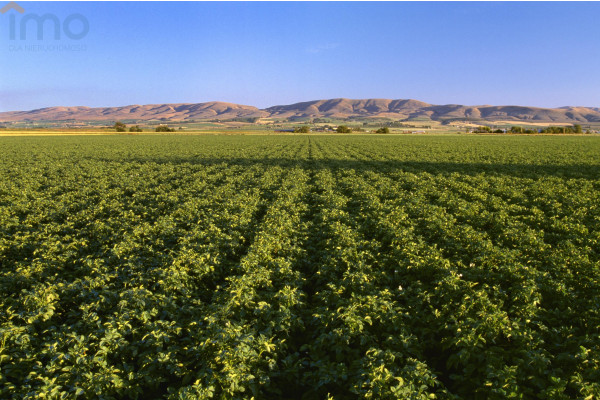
x=267, y=267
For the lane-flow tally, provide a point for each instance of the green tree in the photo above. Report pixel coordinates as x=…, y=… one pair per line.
x=343, y=129
x=164, y=128
x=302, y=129
x=385, y=129
x=483, y=129
x=577, y=128
x=119, y=126
x=135, y=129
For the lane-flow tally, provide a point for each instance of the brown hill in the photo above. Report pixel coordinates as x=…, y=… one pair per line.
x=171, y=112
x=412, y=109
x=333, y=108
x=344, y=108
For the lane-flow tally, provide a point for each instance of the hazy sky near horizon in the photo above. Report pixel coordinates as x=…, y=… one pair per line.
x=543, y=54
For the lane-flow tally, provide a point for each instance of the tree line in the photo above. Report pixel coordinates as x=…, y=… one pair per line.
x=341, y=129
x=121, y=127
x=576, y=128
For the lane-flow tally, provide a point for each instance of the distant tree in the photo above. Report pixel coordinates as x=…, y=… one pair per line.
x=483, y=129
x=516, y=129
x=302, y=129
x=119, y=126
x=498, y=131
x=164, y=128
x=343, y=129
x=566, y=129
x=562, y=129
x=135, y=129
x=385, y=129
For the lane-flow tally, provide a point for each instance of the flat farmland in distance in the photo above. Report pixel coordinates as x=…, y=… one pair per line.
x=300, y=267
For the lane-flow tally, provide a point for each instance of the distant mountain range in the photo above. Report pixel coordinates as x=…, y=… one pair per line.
x=333, y=108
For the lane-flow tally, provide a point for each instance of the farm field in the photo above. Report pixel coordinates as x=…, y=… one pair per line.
x=300, y=267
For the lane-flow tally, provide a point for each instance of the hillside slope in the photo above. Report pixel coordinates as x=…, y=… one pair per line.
x=332, y=108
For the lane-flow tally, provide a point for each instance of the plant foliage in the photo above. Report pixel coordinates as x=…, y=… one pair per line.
x=301, y=267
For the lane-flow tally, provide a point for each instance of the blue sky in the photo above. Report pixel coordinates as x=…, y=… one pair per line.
x=263, y=54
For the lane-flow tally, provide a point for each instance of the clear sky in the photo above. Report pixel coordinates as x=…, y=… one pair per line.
x=263, y=54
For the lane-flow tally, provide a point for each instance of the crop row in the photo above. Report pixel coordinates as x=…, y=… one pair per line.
x=300, y=267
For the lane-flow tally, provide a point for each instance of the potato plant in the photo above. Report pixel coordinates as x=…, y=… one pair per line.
x=301, y=267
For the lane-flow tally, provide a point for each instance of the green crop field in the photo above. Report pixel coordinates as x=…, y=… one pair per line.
x=300, y=267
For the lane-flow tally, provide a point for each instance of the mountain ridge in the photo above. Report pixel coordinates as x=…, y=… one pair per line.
x=338, y=108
